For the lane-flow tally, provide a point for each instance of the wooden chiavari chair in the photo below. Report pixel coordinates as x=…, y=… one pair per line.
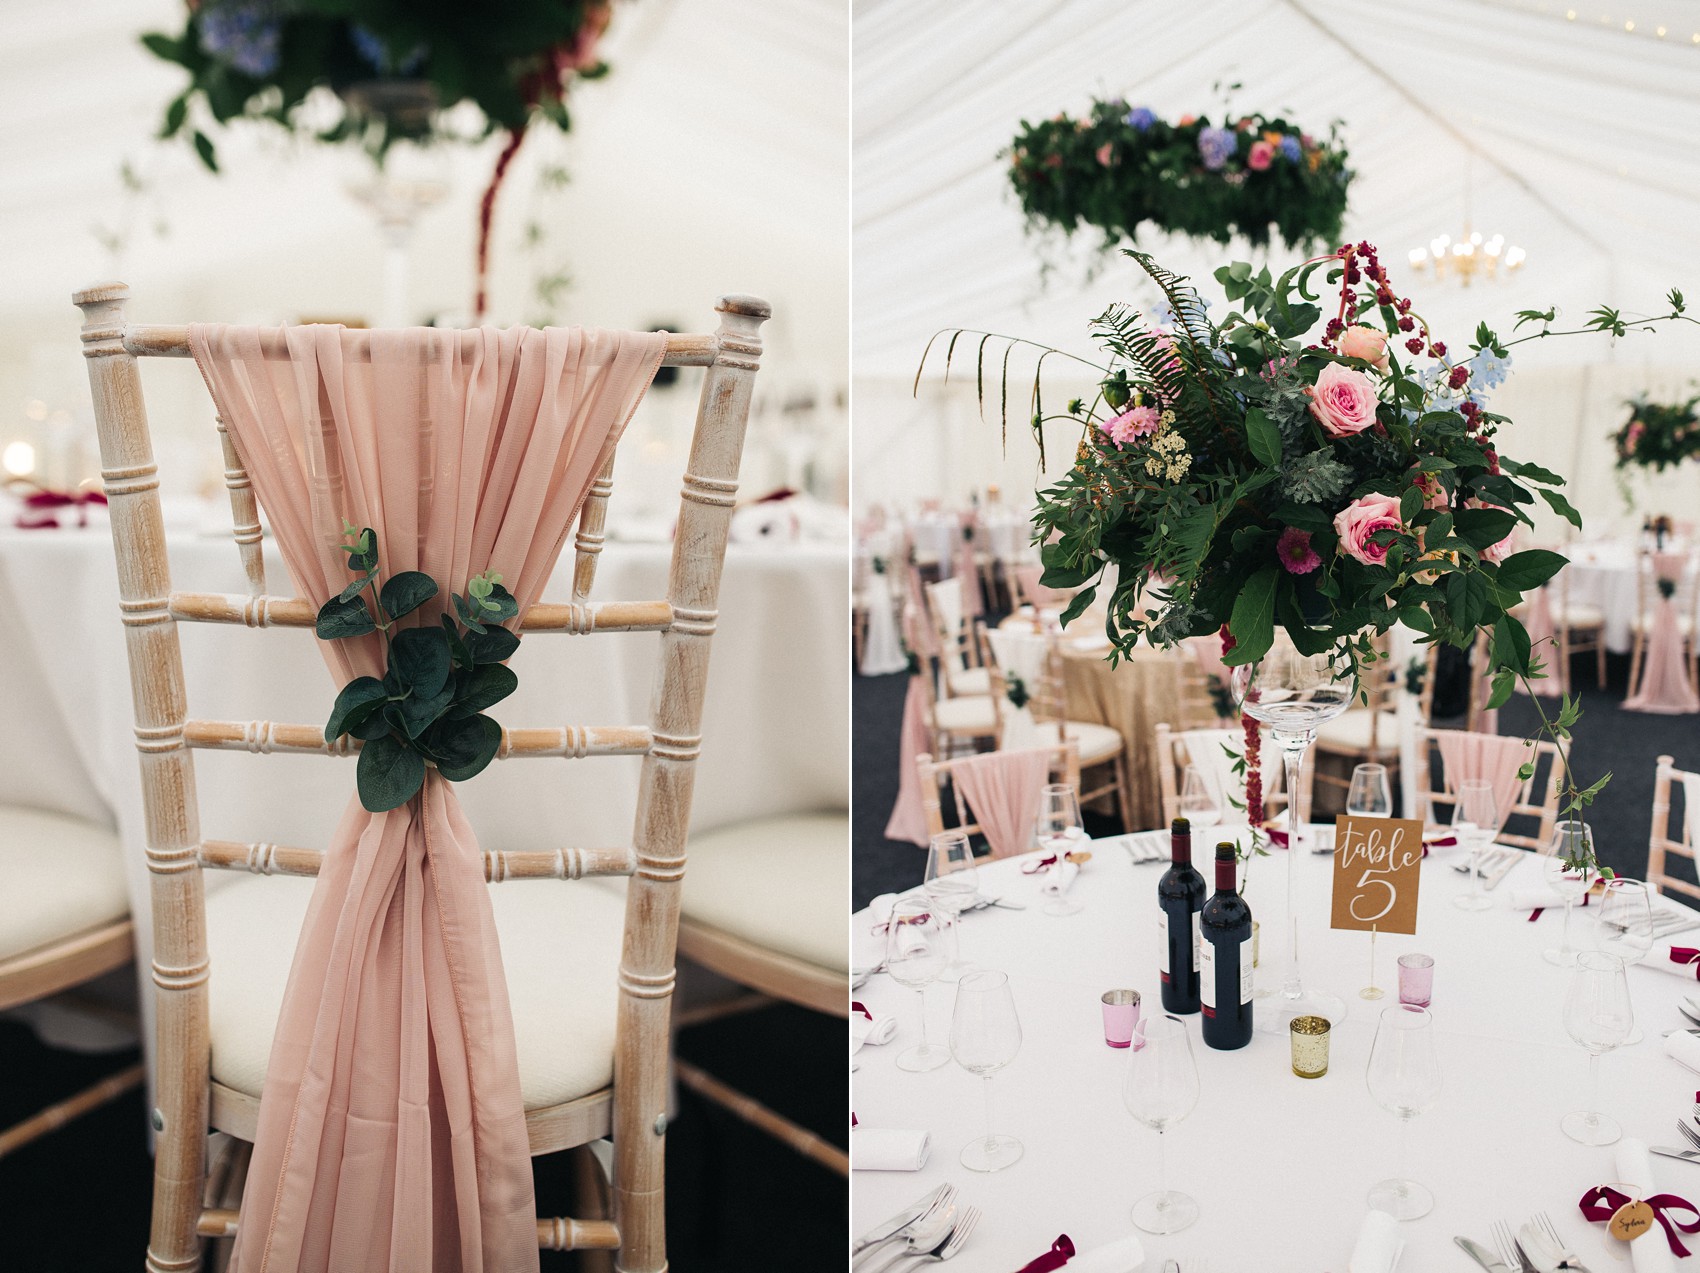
x=959, y=648
x=1667, y=839
x=1174, y=754
x=1537, y=798
x=193, y=1096
x=956, y=724
x=1647, y=599
x=1369, y=733
x=936, y=776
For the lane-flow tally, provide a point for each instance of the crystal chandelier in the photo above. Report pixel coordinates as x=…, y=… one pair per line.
x=1468, y=257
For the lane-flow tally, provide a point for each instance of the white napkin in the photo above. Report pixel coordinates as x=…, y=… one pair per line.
x=1058, y=879
x=1124, y=1255
x=886, y=1149
x=1378, y=1246
x=1685, y=1047
x=1659, y=958
x=1652, y=1253
x=880, y=1029
x=1528, y=897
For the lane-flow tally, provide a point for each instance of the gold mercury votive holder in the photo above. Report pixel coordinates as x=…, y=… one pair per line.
x=1310, y=1046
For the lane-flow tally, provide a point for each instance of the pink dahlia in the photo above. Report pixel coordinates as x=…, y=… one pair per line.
x=1295, y=552
x=1131, y=425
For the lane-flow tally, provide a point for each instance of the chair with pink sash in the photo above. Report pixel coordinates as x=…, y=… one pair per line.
x=1662, y=664
x=1672, y=835
x=432, y=1033
x=1465, y=756
x=996, y=795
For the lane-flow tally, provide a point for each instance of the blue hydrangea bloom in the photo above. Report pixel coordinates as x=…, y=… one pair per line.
x=1291, y=149
x=1141, y=117
x=244, y=33
x=1215, y=145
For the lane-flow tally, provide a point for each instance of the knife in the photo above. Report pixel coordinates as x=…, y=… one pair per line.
x=1512, y=857
x=1480, y=1254
x=1687, y=1155
x=907, y=1216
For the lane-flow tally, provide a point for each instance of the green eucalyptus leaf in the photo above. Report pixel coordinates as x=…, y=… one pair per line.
x=468, y=615
x=418, y=710
x=357, y=587
x=465, y=747
x=360, y=699
x=388, y=774
x=374, y=726
x=420, y=658
x=499, y=604
x=457, y=648
x=494, y=645
x=363, y=556
x=406, y=592
x=480, y=688
x=339, y=618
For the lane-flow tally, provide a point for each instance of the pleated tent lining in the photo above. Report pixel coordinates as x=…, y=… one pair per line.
x=391, y=1132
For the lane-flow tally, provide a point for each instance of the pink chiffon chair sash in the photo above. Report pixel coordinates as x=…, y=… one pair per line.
x=1543, y=642
x=918, y=627
x=968, y=571
x=1002, y=789
x=1665, y=687
x=1472, y=757
x=391, y=1129
x=908, y=816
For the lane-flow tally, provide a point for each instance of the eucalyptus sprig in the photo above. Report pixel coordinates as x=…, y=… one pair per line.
x=428, y=708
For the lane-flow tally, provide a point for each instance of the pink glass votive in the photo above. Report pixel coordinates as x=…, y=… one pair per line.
x=1121, y=1015
x=1416, y=979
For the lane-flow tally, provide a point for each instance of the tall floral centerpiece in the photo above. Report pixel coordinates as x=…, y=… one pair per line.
x=393, y=68
x=1658, y=435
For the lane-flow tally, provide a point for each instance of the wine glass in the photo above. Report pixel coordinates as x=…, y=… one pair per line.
x=1159, y=1089
x=1599, y=1016
x=1059, y=832
x=1625, y=926
x=1201, y=804
x=952, y=882
x=1295, y=694
x=1475, y=821
x=1570, y=871
x=1404, y=1078
x=1370, y=795
x=918, y=945
x=985, y=1035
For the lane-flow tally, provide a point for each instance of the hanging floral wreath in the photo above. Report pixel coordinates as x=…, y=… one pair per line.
x=395, y=68
x=1658, y=435
x=1119, y=168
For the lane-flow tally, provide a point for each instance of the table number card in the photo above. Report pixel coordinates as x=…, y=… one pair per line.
x=1376, y=863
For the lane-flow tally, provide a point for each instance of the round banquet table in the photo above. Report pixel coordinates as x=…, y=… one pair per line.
x=1279, y=1165
x=68, y=746
x=1603, y=574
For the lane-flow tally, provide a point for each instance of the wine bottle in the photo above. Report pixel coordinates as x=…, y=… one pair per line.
x=1180, y=895
x=1225, y=958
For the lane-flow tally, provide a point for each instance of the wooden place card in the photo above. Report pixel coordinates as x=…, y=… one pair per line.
x=1376, y=863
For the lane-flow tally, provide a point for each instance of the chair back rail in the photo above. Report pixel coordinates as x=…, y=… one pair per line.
x=1171, y=766
x=1064, y=768
x=1666, y=840
x=1537, y=797
x=166, y=738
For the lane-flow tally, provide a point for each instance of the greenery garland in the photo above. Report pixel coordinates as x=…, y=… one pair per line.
x=1118, y=168
x=1658, y=435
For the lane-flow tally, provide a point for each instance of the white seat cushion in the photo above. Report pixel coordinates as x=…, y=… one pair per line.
x=1097, y=743
x=966, y=715
x=1350, y=730
x=970, y=681
x=59, y=876
x=777, y=882
x=560, y=953
x=1581, y=616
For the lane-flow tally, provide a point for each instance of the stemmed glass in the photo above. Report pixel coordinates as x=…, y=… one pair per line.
x=985, y=1035
x=1475, y=821
x=953, y=885
x=1059, y=832
x=1404, y=1078
x=1570, y=873
x=1599, y=1016
x=1201, y=804
x=1370, y=795
x=1159, y=1089
x=1626, y=926
x=917, y=948
x=1295, y=694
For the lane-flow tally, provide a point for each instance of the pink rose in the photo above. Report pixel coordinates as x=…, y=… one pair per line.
x=1366, y=343
x=1104, y=154
x=1343, y=401
x=1262, y=154
x=1362, y=518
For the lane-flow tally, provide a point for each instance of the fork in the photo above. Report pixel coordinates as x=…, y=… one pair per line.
x=1688, y=1132
x=1509, y=1252
x=953, y=1241
x=1566, y=1257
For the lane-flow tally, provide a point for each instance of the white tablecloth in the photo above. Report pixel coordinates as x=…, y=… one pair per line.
x=1279, y=1165
x=1603, y=574
x=775, y=723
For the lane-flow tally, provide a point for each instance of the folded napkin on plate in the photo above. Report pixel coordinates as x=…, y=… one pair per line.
x=1059, y=878
x=1682, y=960
x=1378, y=1245
x=1538, y=897
x=887, y=1149
x=1651, y=1254
x=870, y=1027
x=1685, y=1047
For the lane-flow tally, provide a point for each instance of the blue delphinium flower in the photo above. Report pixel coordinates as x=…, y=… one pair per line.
x=1141, y=117
x=1162, y=315
x=377, y=53
x=1291, y=149
x=1488, y=370
x=1215, y=145
x=244, y=33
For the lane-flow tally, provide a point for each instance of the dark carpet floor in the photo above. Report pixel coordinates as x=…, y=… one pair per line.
x=77, y=1200
x=1606, y=738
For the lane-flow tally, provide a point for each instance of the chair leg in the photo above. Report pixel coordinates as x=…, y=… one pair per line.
x=1600, y=660
x=590, y=1202
x=1124, y=794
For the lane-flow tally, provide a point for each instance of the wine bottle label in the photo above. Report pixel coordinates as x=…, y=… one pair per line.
x=1163, y=943
x=1207, y=977
x=1246, y=988
x=1197, y=940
